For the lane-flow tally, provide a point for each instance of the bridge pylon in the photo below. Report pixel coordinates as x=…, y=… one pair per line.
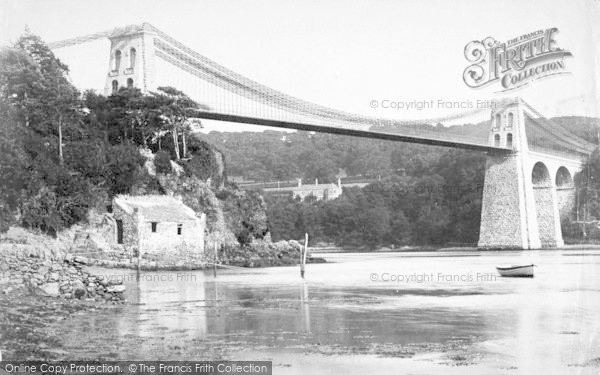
x=132, y=59
x=520, y=205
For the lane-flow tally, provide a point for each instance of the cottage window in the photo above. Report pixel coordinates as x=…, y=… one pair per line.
x=179, y=228
x=154, y=224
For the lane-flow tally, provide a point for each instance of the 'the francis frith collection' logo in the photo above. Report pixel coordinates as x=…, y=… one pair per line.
x=515, y=63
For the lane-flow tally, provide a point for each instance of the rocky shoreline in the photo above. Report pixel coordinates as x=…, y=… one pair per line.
x=37, y=266
x=54, y=277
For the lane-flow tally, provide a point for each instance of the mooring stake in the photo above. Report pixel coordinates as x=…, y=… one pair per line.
x=303, y=255
x=215, y=262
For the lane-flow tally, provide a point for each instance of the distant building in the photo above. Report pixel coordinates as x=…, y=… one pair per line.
x=319, y=191
x=158, y=224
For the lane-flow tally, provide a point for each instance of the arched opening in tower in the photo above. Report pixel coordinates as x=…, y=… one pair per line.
x=509, y=140
x=511, y=120
x=565, y=196
x=132, y=56
x=117, y=60
x=545, y=206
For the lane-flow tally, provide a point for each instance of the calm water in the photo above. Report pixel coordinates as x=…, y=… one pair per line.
x=448, y=312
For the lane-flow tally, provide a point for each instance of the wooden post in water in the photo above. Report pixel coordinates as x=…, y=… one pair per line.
x=215, y=262
x=303, y=255
x=139, y=262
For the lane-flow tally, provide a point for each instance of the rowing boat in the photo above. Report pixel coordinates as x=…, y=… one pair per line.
x=516, y=271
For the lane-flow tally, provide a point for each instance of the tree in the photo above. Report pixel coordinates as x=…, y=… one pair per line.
x=175, y=108
x=51, y=96
x=13, y=162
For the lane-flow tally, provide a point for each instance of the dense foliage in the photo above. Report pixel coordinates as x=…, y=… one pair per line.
x=587, y=226
x=64, y=152
x=285, y=156
x=162, y=162
x=442, y=204
x=245, y=214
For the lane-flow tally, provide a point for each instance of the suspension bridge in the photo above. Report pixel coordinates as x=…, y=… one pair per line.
x=531, y=160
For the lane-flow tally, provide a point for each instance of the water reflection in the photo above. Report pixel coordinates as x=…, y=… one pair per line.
x=305, y=308
x=548, y=322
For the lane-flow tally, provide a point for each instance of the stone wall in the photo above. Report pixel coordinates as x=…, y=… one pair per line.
x=137, y=234
x=166, y=241
x=502, y=211
x=130, y=227
x=47, y=272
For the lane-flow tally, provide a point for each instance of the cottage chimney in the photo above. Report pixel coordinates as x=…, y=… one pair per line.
x=299, y=182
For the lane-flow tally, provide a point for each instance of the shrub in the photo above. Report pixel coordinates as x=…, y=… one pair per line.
x=40, y=212
x=162, y=162
x=206, y=162
x=124, y=164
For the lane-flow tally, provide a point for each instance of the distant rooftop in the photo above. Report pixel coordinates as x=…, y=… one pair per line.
x=305, y=187
x=158, y=208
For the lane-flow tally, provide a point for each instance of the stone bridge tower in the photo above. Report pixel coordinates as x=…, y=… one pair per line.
x=526, y=191
x=132, y=59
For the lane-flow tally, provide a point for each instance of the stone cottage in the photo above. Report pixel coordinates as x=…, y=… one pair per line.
x=158, y=225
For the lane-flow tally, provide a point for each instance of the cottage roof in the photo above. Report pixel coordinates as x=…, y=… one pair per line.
x=158, y=208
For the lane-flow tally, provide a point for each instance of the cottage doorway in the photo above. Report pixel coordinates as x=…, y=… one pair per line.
x=119, y=231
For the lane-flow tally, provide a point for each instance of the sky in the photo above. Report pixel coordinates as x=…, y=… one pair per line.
x=343, y=54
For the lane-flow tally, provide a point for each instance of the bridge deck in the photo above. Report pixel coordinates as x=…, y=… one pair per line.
x=346, y=131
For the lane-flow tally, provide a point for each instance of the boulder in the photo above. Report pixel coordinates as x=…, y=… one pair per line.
x=115, y=281
x=79, y=290
x=103, y=281
x=116, y=289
